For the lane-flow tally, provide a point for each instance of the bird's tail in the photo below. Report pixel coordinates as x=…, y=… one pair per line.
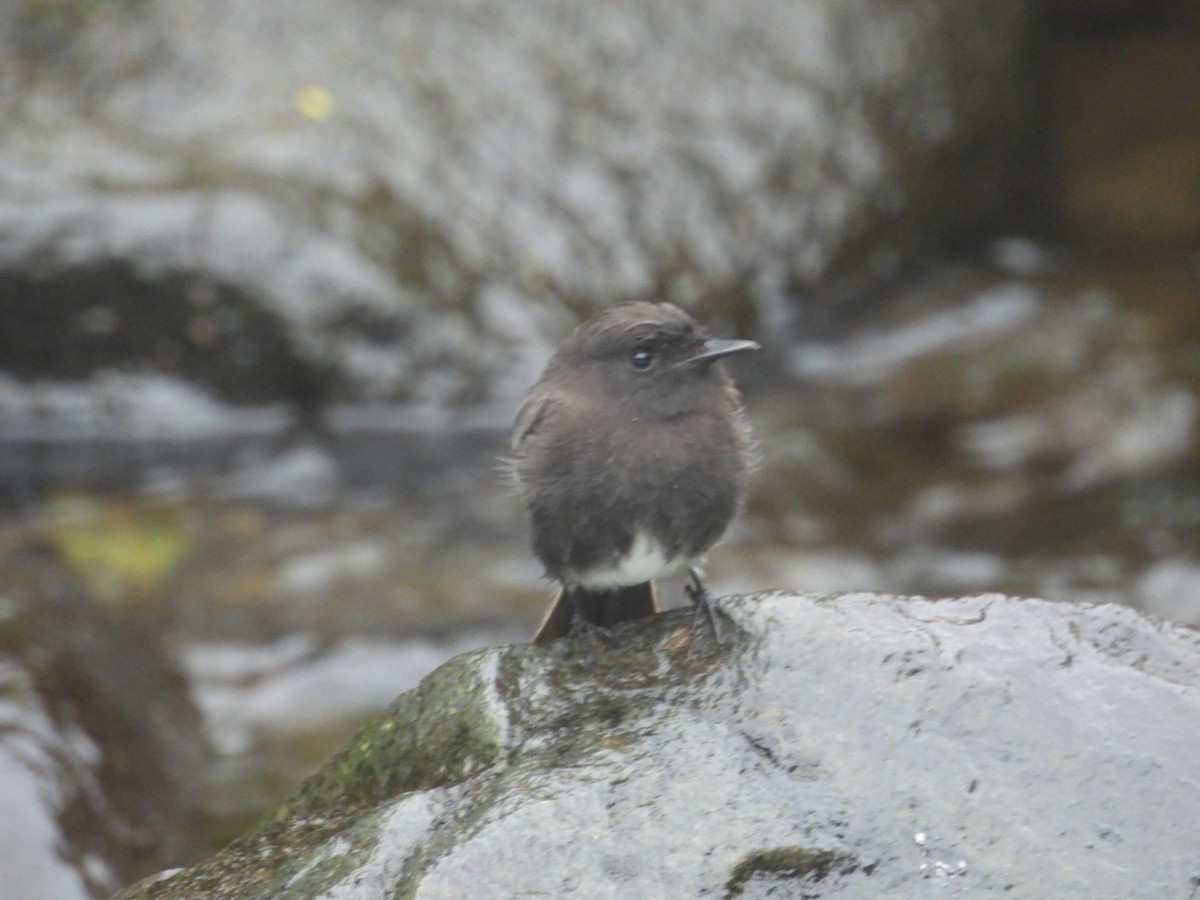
x=602, y=608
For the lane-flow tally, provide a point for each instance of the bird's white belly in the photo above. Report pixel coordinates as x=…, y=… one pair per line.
x=645, y=560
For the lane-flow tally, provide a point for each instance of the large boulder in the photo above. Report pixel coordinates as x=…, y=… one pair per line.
x=343, y=199
x=852, y=746
x=101, y=751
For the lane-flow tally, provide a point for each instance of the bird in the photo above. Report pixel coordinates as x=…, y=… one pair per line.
x=632, y=453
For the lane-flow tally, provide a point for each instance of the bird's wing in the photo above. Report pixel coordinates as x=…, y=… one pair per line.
x=531, y=414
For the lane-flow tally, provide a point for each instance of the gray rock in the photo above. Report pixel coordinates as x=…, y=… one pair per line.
x=101, y=752
x=348, y=200
x=855, y=746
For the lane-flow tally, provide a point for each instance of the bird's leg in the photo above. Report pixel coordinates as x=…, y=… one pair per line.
x=702, y=608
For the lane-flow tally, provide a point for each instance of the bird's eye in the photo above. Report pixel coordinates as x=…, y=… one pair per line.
x=642, y=358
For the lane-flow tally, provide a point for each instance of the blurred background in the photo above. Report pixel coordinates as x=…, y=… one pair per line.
x=273, y=278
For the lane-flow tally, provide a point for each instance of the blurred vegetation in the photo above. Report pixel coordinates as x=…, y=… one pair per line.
x=121, y=548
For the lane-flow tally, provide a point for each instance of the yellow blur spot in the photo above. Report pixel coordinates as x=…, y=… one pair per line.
x=313, y=102
x=121, y=549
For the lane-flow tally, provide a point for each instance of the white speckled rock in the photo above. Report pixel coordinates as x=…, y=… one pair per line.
x=856, y=746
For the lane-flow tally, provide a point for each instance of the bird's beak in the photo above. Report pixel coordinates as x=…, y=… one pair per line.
x=716, y=348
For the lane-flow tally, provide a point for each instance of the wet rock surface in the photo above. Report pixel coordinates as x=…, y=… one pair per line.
x=400, y=209
x=271, y=280
x=101, y=752
x=847, y=746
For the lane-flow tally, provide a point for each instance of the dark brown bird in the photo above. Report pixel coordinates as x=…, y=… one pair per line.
x=632, y=454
